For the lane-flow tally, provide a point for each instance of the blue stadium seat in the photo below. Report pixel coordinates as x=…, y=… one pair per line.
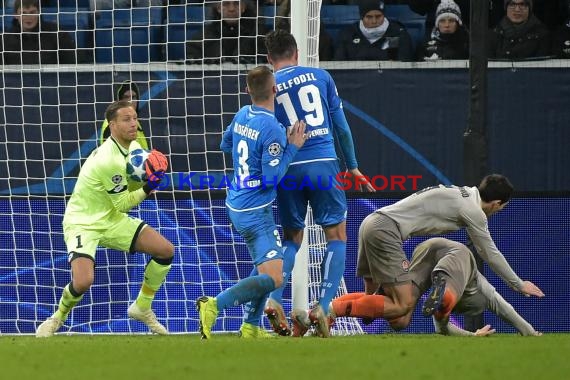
x=73, y=3
x=182, y=22
x=339, y=14
x=268, y=14
x=337, y=17
x=76, y=21
x=129, y=35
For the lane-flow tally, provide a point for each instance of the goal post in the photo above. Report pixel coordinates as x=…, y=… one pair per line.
x=50, y=121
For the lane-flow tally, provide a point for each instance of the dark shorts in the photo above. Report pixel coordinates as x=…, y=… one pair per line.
x=380, y=253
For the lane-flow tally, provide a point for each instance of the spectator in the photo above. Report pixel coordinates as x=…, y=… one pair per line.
x=325, y=40
x=449, y=38
x=22, y=43
x=520, y=34
x=374, y=37
x=428, y=8
x=234, y=36
x=128, y=91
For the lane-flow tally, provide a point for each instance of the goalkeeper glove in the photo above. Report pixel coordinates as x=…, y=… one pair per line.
x=155, y=167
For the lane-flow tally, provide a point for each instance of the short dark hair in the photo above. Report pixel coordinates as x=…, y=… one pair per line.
x=280, y=45
x=495, y=187
x=18, y=4
x=259, y=80
x=111, y=112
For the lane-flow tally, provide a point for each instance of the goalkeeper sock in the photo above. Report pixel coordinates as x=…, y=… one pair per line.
x=254, y=308
x=290, y=249
x=247, y=289
x=69, y=298
x=154, y=275
x=332, y=269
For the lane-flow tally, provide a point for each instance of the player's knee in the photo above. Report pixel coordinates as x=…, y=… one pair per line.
x=81, y=284
x=400, y=323
x=336, y=232
x=277, y=280
x=169, y=250
x=166, y=251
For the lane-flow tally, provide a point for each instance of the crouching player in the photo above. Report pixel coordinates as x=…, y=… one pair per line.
x=96, y=216
x=450, y=270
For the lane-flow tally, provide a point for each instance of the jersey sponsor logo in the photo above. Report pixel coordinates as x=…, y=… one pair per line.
x=405, y=265
x=117, y=189
x=274, y=149
x=271, y=254
x=274, y=162
x=117, y=179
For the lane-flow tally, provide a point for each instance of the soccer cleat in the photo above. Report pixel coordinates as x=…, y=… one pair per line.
x=147, y=317
x=433, y=300
x=48, y=327
x=208, y=309
x=276, y=316
x=249, y=331
x=320, y=320
x=301, y=322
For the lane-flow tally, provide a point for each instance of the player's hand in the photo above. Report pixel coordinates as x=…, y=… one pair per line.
x=361, y=181
x=296, y=134
x=530, y=289
x=485, y=331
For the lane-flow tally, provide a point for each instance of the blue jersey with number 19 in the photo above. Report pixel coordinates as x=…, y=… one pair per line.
x=258, y=144
x=310, y=94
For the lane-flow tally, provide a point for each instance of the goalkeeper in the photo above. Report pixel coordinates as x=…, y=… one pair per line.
x=96, y=216
x=450, y=269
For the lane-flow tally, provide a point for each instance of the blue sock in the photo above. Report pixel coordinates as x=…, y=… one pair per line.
x=247, y=289
x=254, y=308
x=332, y=269
x=290, y=249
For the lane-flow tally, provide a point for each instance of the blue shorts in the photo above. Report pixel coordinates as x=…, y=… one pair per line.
x=258, y=229
x=315, y=183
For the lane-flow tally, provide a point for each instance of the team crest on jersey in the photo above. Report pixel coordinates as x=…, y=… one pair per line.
x=406, y=265
x=117, y=178
x=274, y=149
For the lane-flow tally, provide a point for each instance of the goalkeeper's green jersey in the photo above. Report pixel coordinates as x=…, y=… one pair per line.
x=101, y=192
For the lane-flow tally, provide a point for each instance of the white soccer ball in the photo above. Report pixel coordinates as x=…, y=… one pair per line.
x=135, y=164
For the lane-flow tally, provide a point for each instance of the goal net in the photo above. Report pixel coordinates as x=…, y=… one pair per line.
x=50, y=121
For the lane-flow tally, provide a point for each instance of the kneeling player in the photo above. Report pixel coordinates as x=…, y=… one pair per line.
x=450, y=270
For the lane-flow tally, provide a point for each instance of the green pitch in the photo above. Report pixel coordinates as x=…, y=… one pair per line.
x=382, y=357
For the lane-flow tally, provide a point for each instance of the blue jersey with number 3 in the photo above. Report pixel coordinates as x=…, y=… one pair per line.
x=310, y=94
x=258, y=144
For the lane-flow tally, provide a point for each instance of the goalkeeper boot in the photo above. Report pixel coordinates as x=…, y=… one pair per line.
x=249, y=331
x=147, y=317
x=301, y=322
x=435, y=296
x=48, y=327
x=276, y=316
x=320, y=320
x=208, y=309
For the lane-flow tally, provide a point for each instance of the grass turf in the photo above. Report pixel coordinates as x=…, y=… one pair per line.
x=394, y=357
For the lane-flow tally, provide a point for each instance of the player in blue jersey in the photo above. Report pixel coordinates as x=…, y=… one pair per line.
x=261, y=149
x=309, y=94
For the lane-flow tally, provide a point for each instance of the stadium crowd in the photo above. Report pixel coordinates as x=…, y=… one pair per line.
x=91, y=31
